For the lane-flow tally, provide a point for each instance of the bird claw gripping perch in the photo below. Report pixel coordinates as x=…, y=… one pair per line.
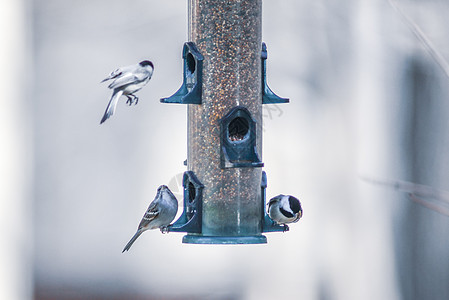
x=165, y=229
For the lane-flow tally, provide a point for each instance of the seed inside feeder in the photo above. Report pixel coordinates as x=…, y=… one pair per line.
x=238, y=129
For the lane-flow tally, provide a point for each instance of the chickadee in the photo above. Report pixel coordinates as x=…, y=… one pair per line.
x=127, y=81
x=284, y=209
x=159, y=214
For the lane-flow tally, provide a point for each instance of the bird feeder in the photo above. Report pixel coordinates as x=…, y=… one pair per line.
x=225, y=86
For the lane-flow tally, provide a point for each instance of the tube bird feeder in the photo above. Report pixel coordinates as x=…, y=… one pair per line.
x=224, y=85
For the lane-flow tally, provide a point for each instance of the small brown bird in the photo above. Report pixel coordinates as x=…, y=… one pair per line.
x=159, y=214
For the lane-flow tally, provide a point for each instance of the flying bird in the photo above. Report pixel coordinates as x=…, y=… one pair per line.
x=126, y=81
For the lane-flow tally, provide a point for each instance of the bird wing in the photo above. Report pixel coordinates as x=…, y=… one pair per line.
x=273, y=201
x=118, y=72
x=113, y=74
x=151, y=214
x=128, y=78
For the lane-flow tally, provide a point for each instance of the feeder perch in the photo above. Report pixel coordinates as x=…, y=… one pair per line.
x=190, y=220
x=190, y=90
x=268, y=224
x=268, y=97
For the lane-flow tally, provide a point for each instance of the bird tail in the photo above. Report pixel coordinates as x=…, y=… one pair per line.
x=111, y=106
x=133, y=239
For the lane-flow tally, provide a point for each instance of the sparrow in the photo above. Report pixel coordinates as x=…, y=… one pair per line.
x=284, y=209
x=127, y=81
x=160, y=213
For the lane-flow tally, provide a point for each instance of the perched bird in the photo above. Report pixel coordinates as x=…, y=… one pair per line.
x=127, y=81
x=159, y=214
x=284, y=209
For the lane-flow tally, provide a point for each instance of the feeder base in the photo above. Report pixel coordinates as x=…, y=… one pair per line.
x=224, y=240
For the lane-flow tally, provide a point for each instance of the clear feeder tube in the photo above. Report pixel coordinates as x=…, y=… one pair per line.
x=228, y=35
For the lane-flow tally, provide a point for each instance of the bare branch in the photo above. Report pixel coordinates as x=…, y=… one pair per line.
x=431, y=49
x=438, y=200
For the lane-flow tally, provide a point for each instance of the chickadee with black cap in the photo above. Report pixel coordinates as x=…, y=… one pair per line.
x=127, y=81
x=284, y=209
x=159, y=214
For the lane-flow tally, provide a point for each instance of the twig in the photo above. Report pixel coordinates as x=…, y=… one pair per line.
x=436, y=55
x=417, y=193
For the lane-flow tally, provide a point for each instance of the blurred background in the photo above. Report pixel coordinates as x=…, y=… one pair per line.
x=368, y=88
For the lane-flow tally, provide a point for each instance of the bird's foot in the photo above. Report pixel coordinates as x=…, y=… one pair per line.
x=286, y=228
x=165, y=229
x=132, y=99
